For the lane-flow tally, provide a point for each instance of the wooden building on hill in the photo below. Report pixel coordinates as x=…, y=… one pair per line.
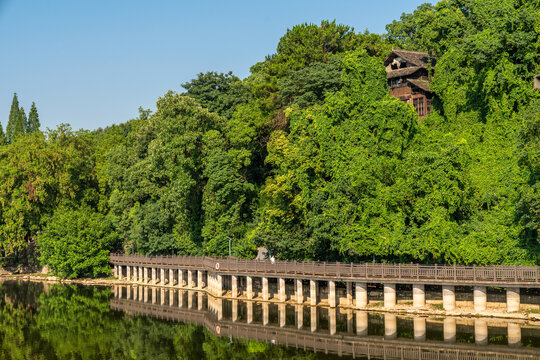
x=408, y=78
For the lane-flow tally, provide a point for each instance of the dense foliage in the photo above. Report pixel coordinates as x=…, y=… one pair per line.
x=308, y=156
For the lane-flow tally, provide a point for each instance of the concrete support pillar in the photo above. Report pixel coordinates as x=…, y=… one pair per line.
x=145, y=271
x=219, y=285
x=119, y=272
x=349, y=293
x=480, y=332
x=200, y=281
x=140, y=277
x=419, y=328
x=361, y=295
x=234, y=304
x=180, y=278
x=299, y=316
x=480, y=298
x=171, y=277
x=281, y=290
x=162, y=276
x=299, y=291
x=419, y=295
x=514, y=334
x=190, y=280
x=115, y=271
x=361, y=323
x=249, y=287
x=249, y=311
x=332, y=293
x=313, y=321
x=449, y=297
x=449, y=330
x=128, y=273
x=154, y=277
x=282, y=315
x=234, y=286
x=390, y=326
x=389, y=296
x=265, y=313
x=313, y=292
x=512, y=299
x=332, y=320
x=265, y=288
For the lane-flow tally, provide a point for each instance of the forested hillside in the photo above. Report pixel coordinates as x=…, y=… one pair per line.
x=308, y=156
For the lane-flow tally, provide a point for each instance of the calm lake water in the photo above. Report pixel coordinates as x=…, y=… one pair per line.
x=40, y=321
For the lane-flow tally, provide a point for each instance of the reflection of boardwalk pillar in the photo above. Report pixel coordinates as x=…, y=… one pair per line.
x=331, y=293
x=162, y=296
x=390, y=326
x=265, y=288
x=219, y=308
x=299, y=316
x=349, y=293
x=282, y=315
x=419, y=328
x=313, y=292
x=480, y=298
x=480, y=332
x=171, y=297
x=449, y=297
x=313, y=318
x=299, y=291
x=128, y=293
x=419, y=295
x=200, y=281
x=142, y=289
x=234, y=310
x=145, y=294
x=234, y=285
x=512, y=299
x=514, y=334
x=249, y=306
x=332, y=320
x=200, y=296
x=265, y=313
x=171, y=277
x=281, y=290
x=154, y=296
x=349, y=321
x=361, y=323
x=389, y=296
x=180, y=298
x=249, y=287
x=361, y=295
x=190, y=300
x=449, y=330
x=162, y=276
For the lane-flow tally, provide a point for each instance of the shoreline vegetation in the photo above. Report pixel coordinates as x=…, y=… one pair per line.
x=308, y=156
x=529, y=314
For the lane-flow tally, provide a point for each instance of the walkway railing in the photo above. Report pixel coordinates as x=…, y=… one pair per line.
x=525, y=275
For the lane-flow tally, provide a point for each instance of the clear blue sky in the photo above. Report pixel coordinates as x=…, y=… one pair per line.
x=92, y=63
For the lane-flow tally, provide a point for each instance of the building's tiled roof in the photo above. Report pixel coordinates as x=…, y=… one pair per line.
x=403, y=72
x=417, y=58
x=422, y=84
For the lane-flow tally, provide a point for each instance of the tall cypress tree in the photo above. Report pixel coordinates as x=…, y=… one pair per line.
x=20, y=125
x=33, y=124
x=2, y=136
x=13, y=118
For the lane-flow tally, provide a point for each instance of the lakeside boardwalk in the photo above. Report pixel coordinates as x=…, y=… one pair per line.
x=237, y=278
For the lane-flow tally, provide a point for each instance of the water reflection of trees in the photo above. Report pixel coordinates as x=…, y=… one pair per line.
x=73, y=322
